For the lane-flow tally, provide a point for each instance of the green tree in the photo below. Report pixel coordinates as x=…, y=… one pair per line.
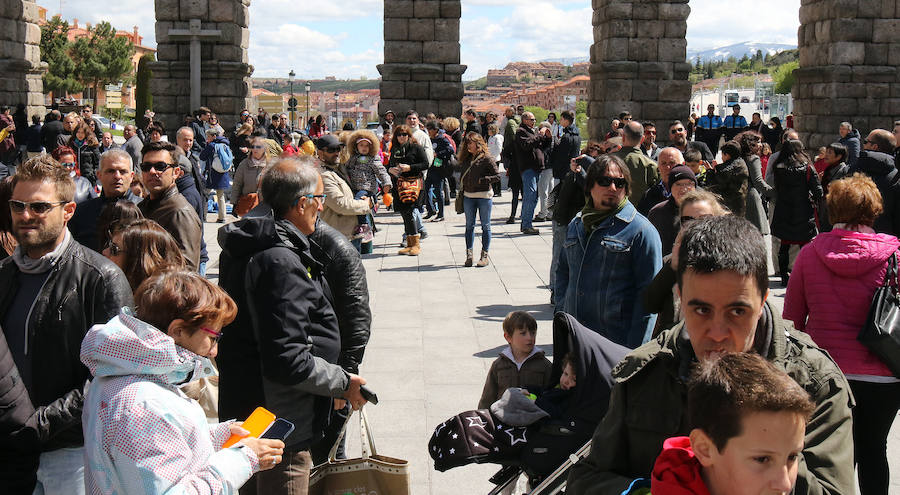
x=101, y=57
x=784, y=77
x=55, y=48
x=142, y=96
x=540, y=114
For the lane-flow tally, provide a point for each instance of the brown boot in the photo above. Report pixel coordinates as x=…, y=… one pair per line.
x=468, y=258
x=408, y=245
x=484, y=259
x=414, y=247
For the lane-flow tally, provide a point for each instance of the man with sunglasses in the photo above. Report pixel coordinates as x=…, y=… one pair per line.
x=876, y=160
x=54, y=290
x=678, y=139
x=165, y=205
x=610, y=255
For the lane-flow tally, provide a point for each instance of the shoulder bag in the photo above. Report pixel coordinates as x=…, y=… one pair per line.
x=372, y=474
x=459, y=203
x=881, y=333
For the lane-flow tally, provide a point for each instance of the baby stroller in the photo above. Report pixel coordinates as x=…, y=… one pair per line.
x=538, y=449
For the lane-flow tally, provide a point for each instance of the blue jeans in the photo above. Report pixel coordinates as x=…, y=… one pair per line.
x=434, y=187
x=529, y=197
x=361, y=219
x=483, y=207
x=61, y=471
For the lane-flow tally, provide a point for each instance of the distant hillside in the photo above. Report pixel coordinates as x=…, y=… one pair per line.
x=283, y=85
x=748, y=48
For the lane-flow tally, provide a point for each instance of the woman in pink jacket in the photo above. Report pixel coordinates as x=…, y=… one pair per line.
x=828, y=296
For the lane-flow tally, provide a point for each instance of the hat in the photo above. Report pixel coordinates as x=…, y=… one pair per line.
x=364, y=139
x=390, y=112
x=328, y=141
x=681, y=172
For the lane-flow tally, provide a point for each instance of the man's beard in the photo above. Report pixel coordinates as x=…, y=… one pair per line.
x=41, y=238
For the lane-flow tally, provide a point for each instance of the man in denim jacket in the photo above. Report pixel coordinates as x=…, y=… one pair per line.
x=610, y=255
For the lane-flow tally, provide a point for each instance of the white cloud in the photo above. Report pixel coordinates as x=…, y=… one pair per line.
x=709, y=28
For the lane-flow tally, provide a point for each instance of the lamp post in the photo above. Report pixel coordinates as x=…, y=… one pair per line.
x=292, y=102
x=335, y=110
x=308, y=87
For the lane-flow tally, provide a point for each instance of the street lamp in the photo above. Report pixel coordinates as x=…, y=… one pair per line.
x=292, y=103
x=335, y=111
x=308, y=87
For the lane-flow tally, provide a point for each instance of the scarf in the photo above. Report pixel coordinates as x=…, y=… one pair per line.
x=257, y=163
x=45, y=262
x=592, y=217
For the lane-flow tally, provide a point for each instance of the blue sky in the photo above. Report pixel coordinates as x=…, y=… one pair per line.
x=343, y=38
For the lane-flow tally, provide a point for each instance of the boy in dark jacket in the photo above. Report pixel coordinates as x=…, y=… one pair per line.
x=522, y=364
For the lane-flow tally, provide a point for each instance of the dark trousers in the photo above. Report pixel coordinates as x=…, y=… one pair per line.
x=876, y=408
x=289, y=477
x=409, y=224
x=434, y=191
x=516, y=191
x=321, y=449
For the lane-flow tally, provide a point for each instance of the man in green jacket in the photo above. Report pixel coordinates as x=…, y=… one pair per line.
x=644, y=172
x=723, y=285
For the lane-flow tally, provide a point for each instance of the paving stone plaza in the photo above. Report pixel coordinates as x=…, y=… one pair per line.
x=437, y=327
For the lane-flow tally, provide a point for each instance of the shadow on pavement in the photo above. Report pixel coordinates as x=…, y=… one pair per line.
x=497, y=312
x=417, y=268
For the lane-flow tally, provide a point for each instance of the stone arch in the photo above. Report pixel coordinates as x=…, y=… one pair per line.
x=20, y=56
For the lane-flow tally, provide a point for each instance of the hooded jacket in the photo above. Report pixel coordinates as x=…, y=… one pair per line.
x=831, y=289
x=677, y=470
x=567, y=147
x=649, y=405
x=797, y=190
x=143, y=434
x=280, y=351
x=852, y=142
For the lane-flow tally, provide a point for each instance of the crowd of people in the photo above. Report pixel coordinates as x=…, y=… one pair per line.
x=658, y=248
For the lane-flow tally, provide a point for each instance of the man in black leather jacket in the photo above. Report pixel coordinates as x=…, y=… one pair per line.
x=53, y=291
x=349, y=295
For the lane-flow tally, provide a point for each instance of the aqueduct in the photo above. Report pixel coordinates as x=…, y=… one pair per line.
x=849, y=58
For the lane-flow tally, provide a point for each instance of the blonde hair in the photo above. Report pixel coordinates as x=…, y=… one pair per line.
x=451, y=124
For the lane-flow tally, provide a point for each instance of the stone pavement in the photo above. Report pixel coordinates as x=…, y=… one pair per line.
x=437, y=328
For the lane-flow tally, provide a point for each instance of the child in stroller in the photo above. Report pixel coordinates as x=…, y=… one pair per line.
x=482, y=436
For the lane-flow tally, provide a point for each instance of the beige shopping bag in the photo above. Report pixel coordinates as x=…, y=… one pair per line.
x=371, y=474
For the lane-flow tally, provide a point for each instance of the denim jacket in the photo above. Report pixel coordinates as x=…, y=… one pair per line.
x=600, y=277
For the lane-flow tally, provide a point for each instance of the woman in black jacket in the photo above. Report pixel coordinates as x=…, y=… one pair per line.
x=479, y=171
x=407, y=164
x=797, y=190
x=87, y=152
x=730, y=179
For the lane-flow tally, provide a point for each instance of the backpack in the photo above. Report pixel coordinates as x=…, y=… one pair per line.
x=218, y=165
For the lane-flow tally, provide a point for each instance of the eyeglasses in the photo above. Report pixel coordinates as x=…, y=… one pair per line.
x=158, y=166
x=68, y=164
x=114, y=248
x=319, y=197
x=36, y=207
x=258, y=147
x=676, y=131
x=684, y=185
x=605, y=181
x=216, y=335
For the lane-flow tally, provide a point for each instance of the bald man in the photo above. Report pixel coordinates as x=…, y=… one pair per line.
x=132, y=146
x=643, y=170
x=657, y=193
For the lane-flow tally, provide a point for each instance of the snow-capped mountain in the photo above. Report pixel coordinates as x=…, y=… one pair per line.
x=737, y=51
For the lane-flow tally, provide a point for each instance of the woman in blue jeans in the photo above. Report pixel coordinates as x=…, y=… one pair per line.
x=479, y=171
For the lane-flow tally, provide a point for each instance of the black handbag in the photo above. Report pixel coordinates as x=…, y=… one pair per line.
x=881, y=333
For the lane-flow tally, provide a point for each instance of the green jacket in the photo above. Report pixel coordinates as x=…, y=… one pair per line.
x=649, y=404
x=644, y=172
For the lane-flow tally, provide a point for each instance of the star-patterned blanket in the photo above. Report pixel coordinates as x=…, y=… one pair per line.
x=475, y=436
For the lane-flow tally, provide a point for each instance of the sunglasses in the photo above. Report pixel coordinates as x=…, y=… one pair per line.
x=36, y=207
x=216, y=335
x=676, y=131
x=258, y=147
x=158, y=166
x=68, y=164
x=402, y=134
x=333, y=150
x=608, y=181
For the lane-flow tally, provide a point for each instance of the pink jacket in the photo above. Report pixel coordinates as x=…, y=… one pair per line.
x=831, y=289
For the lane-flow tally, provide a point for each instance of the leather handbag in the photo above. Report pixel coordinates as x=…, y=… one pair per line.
x=409, y=188
x=372, y=474
x=881, y=333
x=459, y=203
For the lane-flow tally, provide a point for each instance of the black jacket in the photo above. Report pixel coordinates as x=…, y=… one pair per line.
x=831, y=174
x=528, y=148
x=82, y=290
x=880, y=167
x=730, y=180
x=88, y=158
x=83, y=224
x=50, y=134
x=567, y=147
x=20, y=454
x=281, y=350
x=571, y=197
x=473, y=126
x=797, y=190
x=346, y=276
x=413, y=155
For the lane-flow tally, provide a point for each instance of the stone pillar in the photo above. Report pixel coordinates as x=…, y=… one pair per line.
x=421, y=68
x=225, y=69
x=638, y=63
x=849, y=58
x=20, y=57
